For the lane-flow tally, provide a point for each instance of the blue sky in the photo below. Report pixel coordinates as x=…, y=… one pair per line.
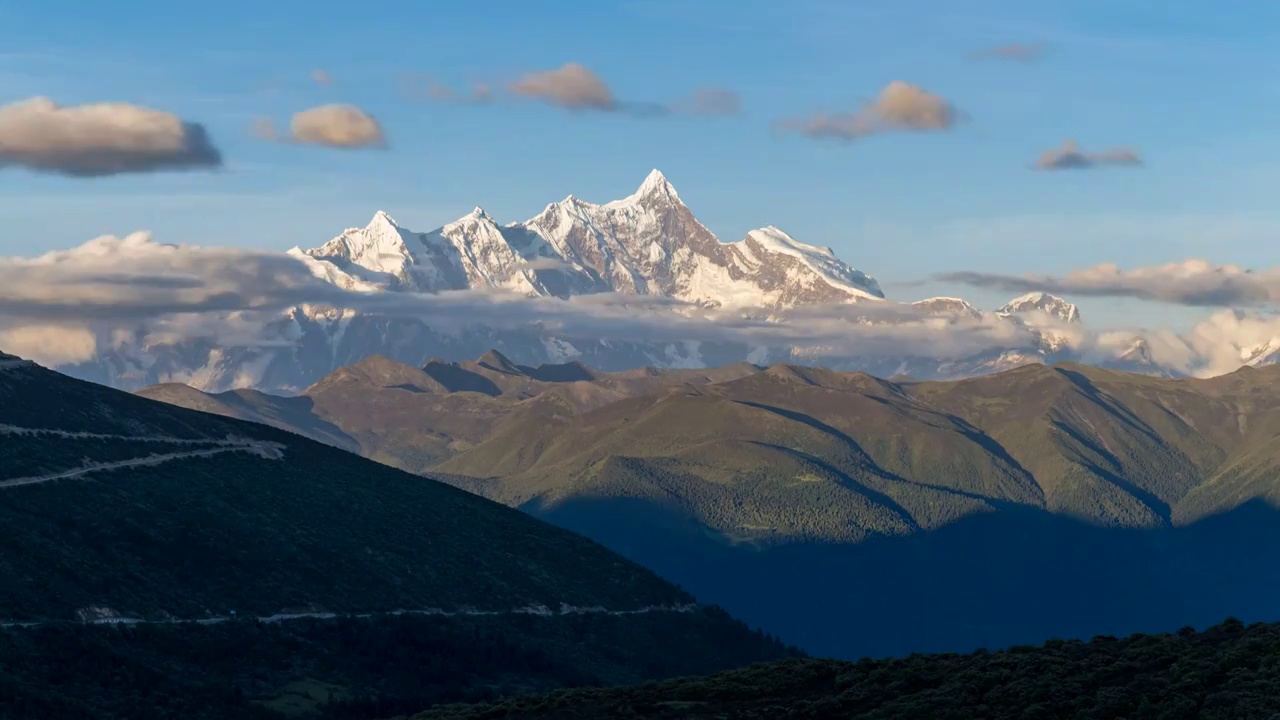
x=1189, y=84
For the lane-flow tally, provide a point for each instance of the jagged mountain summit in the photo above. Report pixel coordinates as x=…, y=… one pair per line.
x=1042, y=302
x=648, y=243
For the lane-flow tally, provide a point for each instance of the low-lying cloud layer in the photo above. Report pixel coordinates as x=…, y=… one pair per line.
x=119, y=283
x=1071, y=157
x=1197, y=283
x=335, y=126
x=69, y=306
x=900, y=107
x=101, y=139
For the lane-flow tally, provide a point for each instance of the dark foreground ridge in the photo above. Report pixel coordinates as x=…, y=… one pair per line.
x=1228, y=671
x=132, y=532
x=348, y=668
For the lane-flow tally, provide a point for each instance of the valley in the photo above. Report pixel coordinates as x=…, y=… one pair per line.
x=833, y=508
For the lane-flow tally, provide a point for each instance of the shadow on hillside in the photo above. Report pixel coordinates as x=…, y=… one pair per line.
x=994, y=580
x=457, y=379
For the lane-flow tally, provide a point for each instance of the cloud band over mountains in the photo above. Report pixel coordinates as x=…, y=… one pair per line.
x=1196, y=283
x=122, y=282
x=66, y=306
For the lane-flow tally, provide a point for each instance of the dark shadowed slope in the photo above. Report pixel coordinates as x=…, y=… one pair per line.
x=302, y=525
x=1226, y=672
x=119, y=507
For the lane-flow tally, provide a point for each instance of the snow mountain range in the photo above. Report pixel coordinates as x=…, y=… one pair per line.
x=648, y=244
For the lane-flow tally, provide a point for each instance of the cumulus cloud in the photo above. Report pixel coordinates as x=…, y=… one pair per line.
x=321, y=77
x=1071, y=157
x=900, y=107
x=1191, y=282
x=100, y=139
x=1016, y=52
x=335, y=126
x=571, y=86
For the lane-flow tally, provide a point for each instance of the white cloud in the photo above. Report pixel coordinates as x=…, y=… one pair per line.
x=49, y=344
x=900, y=107
x=100, y=139
x=335, y=126
x=570, y=86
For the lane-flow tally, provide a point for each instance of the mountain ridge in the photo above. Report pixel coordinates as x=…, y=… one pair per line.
x=1149, y=495
x=648, y=245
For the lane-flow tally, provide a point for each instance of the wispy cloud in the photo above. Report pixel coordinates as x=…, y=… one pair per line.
x=1071, y=157
x=335, y=126
x=101, y=139
x=417, y=87
x=900, y=107
x=1196, y=283
x=572, y=87
x=321, y=77
x=709, y=101
x=1015, y=52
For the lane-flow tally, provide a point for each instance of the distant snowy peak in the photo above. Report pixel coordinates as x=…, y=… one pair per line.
x=947, y=306
x=819, y=260
x=479, y=248
x=1138, y=352
x=648, y=243
x=1051, y=305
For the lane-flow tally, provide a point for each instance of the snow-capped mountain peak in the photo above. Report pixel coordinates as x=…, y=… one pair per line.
x=1042, y=302
x=655, y=187
x=947, y=306
x=648, y=243
x=769, y=244
x=380, y=248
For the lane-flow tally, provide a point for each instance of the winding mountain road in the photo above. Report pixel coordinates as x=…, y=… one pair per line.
x=535, y=610
x=261, y=448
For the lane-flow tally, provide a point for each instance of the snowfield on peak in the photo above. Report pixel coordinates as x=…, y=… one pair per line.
x=648, y=243
x=1042, y=302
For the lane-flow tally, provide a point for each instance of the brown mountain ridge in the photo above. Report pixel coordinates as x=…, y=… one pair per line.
x=855, y=515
